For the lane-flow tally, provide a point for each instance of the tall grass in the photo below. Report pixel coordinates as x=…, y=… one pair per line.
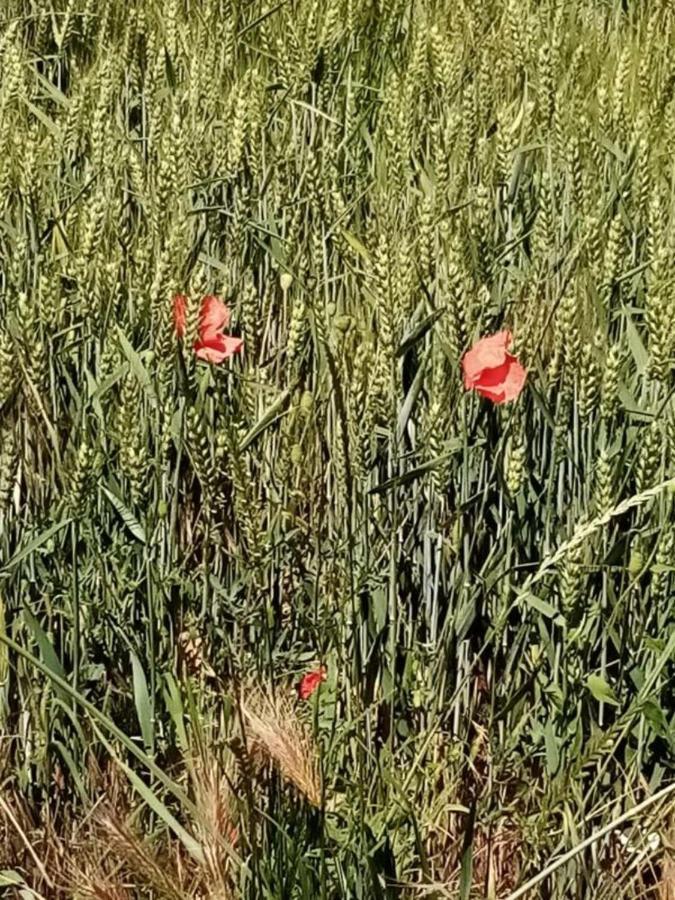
x=371, y=186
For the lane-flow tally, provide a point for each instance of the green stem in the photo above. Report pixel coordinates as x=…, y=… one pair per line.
x=76, y=607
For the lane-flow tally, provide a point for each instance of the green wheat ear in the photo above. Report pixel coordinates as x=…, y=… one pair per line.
x=590, y=377
x=515, y=465
x=649, y=458
x=609, y=405
x=663, y=561
x=658, y=314
x=200, y=451
x=9, y=463
x=8, y=371
x=81, y=479
x=604, y=486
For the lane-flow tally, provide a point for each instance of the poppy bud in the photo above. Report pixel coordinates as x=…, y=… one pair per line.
x=636, y=562
x=343, y=323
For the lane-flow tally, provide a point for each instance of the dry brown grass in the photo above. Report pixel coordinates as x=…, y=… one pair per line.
x=28, y=840
x=667, y=881
x=107, y=854
x=275, y=735
x=215, y=824
x=496, y=847
x=667, y=867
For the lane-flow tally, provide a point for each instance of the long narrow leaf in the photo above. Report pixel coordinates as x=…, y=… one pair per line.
x=105, y=722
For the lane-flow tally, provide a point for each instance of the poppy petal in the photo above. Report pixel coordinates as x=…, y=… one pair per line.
x=490, y=378
x=514, y=381
x=213, y=315
x=310, y=682
x=232, y=345
x=218, y=348
x=486, y=353
x=496, y=394
x=504, y=383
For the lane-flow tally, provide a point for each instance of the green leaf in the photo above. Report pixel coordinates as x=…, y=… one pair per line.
x=56, y=95
x=268, y=417
x=654, y=644
x=314, y=110
x=355, y=244
x=170, y=70
x=541, y=606
x=656, y=718
x=602, y=692
x=261, y=18
x=418, y=471
x=43, y=117
x=552, y=750
x=174, y=704
x=418, y=332
x=380, y=608
x=35, y=544
x=142, y=703
x=102, y=388
x=11, y=878
x=412, y=395
x=47, y=651
x=106, y=722
x=126, y=515
x=137, y=366
x=637, y=348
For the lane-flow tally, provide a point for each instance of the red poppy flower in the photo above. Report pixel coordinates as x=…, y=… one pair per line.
x=211, y=345
x=310, y=682
x=492, y=371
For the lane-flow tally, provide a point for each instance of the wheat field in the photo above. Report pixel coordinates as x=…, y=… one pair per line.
x=289, y=608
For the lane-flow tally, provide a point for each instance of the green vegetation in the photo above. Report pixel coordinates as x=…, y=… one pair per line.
x=371, y=186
